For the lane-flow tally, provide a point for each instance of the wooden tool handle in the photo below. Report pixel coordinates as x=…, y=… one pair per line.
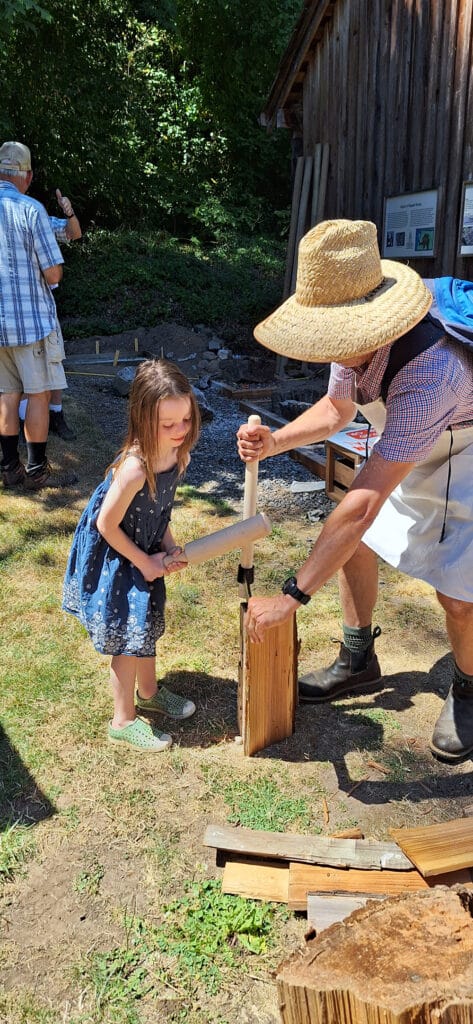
x=246, y=531
x=249, y=498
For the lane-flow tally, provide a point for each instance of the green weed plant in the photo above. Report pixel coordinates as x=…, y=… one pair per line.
x=203, y=935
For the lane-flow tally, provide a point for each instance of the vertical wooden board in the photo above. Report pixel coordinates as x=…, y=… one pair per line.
x=302, y=216
x=296, y=197
x=316, y=183
x=268, y=686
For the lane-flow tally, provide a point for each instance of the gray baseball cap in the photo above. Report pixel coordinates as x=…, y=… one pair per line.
x=14, y=156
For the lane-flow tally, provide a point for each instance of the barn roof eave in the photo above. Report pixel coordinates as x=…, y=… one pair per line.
x=305, y=31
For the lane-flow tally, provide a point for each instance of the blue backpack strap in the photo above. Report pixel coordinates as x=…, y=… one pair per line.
x=408, y=346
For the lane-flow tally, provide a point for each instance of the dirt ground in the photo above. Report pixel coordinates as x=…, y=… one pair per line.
x=367, y=755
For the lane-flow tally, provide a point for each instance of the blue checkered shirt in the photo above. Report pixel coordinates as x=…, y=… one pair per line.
x=59, y=225
x=27, y=247
x=432, y=392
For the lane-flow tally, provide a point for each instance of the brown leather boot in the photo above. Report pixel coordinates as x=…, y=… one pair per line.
x=13, y=475
x=452, y=738
x=351, y=672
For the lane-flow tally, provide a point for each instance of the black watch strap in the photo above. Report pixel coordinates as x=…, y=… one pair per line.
x=290, y=587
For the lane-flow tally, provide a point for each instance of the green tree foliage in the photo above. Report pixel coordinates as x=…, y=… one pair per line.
x=146, y=110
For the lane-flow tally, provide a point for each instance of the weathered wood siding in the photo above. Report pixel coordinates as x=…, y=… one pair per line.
x=389, y=86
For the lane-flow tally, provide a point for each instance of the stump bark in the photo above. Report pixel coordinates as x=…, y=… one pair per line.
x=405, y=960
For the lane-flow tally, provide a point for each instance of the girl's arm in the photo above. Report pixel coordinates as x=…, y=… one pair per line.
x=126, y=483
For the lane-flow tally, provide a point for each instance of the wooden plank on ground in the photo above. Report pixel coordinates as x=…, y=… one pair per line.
x=326, y=908
x=368, y=854
x=267, y=685
x=305, y=878
x=257, y=880
x=435, y=849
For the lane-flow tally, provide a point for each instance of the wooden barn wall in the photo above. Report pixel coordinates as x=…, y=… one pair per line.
x=390, y=88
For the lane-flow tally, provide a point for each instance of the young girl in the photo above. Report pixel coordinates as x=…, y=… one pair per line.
x=123, y=548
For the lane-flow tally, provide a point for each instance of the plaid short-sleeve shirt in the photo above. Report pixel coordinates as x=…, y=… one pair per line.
x=432, y=392
x=59, y=225
x=27, y=247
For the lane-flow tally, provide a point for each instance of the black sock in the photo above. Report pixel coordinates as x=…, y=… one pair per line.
x=357, y=638
x=9, y=443
x=36, y=455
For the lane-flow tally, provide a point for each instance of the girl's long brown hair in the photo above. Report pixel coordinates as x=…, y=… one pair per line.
x=156, y=379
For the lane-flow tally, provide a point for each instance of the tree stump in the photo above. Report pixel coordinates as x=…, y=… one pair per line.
x=405, y=960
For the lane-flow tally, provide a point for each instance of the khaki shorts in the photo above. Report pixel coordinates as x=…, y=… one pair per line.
x=34, y=368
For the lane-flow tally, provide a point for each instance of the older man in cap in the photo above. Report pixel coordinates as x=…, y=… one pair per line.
x=31, y=352
x=411, y=501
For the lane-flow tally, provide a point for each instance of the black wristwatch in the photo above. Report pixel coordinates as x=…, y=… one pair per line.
x=290, y=587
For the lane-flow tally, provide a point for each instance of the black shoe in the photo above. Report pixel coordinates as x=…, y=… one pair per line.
x=58, y=425
x=350, y=672
x=452, y=738
x=13, y=475
x=44, y=477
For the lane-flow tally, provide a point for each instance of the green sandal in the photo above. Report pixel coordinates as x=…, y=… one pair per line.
x=166, y=703
x=140, y=735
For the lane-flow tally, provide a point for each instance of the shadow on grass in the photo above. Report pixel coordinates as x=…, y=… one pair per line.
x=21, y=800
x=328, y=733
x=215, y=720
x=33, y=532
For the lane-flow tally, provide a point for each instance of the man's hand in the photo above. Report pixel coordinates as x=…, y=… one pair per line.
x=174, y=560
x=265, y=612
x=64, y=203
x=255, y=442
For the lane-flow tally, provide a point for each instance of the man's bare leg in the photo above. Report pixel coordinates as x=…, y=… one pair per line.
x=37, y=418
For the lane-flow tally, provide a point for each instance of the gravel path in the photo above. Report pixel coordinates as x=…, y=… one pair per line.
x=215, y=466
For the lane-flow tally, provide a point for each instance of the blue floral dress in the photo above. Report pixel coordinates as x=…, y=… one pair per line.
x=122, y=613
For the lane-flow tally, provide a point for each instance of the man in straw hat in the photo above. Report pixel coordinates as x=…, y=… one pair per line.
x=411, y=501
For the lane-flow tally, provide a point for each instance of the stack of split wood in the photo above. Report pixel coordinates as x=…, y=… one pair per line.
x=328, y=877
x=401, y=945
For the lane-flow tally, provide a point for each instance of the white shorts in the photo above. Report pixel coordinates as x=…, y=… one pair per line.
x=407, y=530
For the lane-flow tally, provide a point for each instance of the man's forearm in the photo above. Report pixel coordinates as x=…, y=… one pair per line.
x=73, y=228
x=315, y=424
x=53, y=275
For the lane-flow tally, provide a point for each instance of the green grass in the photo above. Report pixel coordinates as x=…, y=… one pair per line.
x=262, y=805
x=16, y=846
x=116, y=281
x=203, y=935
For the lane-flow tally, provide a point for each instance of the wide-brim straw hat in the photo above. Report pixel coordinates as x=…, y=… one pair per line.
x=348, y=302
